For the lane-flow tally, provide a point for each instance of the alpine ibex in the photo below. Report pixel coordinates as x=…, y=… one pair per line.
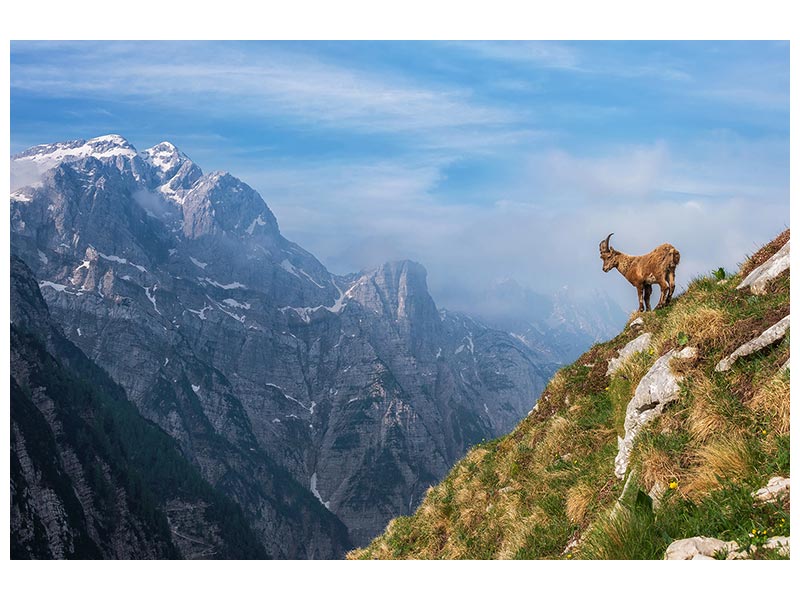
x=643, y=271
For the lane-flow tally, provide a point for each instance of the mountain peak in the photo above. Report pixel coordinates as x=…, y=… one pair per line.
x=30, y=164
x=398, y=268
x=103, y=146
x=400, y=289
x=165, y=158
x=111, y=139
x=220, y=201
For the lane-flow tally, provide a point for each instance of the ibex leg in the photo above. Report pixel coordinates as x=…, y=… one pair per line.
x=664, y=289
x=671, y=282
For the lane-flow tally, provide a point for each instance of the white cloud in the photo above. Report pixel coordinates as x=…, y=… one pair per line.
x=261, y=82
x=630, y=172
x=552, y=55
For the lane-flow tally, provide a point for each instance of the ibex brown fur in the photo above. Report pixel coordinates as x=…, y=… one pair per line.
x=643, y=271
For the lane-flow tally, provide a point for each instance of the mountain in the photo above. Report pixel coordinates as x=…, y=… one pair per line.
x=558, y=327
x=90, y=478
x=322, y=404
x=670, y=440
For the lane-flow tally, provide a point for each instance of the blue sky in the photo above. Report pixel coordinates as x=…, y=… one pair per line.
x=482, y=160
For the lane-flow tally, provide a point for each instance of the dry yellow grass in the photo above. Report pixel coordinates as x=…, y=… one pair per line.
x=507, y=467
x=557, y=441
x=772, y=402
x=725, y=458
x=705, y=419
x=704, y=325
x=578, y=499
x=658, y=467
x=471, y=503
x=635, y=367
x=513, y=524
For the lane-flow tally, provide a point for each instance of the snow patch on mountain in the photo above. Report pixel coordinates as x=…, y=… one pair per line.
x=22, y=195
x=235, y=304
x=122, y=261
x=151, y=295
x=58, y=287
x=315, y=491
x=201, y=314
x=257, y=221
x=164, y=157
x=225, y=286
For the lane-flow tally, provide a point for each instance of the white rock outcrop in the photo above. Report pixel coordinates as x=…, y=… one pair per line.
x=769, y=336
x=780, y=543
x=776, y=487
x=698, y=548
x=639, y=344
x=655, y=391
x=759, y=277
x=706, y=548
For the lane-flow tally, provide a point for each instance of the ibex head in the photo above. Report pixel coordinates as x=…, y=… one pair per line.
x=608, y=254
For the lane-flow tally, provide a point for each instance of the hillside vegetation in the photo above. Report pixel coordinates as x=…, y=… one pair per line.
x=548, y=489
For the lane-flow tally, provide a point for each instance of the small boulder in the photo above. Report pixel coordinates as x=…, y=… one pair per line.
x=691, y=548
x=779, y=543
x=640, y=344
x=776, y=488
x=759, y=278
x=657, y=389
x=768, y=337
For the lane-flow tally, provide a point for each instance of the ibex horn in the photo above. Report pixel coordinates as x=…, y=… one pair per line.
x=607, y=240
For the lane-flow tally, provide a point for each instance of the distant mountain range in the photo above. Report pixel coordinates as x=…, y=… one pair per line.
x=322, y=405
x=558, y=327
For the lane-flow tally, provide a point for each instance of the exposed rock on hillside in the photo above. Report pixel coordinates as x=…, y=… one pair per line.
x=657, y=389
x=769, y=336
x=759, y=278
x=777, y=488
x=640, y=344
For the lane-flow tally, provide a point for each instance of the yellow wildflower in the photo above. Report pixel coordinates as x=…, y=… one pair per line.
x=673, y=485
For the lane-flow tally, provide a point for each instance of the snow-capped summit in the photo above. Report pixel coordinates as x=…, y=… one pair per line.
x=173, y=169
x=27, y=166
x=165, y=158
x=99, y=147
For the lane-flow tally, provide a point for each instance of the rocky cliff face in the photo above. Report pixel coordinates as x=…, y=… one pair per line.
x=309, y=398
x=90, y=478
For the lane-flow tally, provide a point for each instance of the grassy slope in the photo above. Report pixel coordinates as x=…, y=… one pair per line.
x=547, y=489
